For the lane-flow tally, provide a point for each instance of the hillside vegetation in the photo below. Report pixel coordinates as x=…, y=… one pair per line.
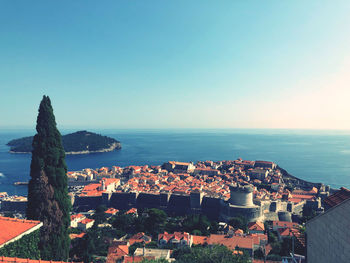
x=80, y=141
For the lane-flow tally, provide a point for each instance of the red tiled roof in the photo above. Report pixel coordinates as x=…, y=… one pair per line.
x=177, y=236
x=284, y=224
x=76, y=216
x=259, y=226
x=86, y=221
x=131, y=211
x=199, y=240
x=111, y=211
x=232, y=242
x=116, y=252
x=338, y=197
x=11, y=228
x=73, y=236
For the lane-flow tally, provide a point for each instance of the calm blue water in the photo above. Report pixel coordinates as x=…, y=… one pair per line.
x=317, y=156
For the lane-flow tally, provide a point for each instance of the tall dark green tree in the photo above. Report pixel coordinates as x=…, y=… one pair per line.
x=48, y=199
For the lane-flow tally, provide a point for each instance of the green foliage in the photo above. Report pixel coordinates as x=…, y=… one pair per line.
x=21, y=145
x=124, y=223
x=100, y=215
x=73, y=230
x=26, y=247
x=239, y=222
x=73, y=142
x=151, y=221
x=173, y=224
x=94, y=244
x=48, y=199
x=272, y=237
x=154, y=221
x=84, y=140
x=198, y=224
x=208, y=254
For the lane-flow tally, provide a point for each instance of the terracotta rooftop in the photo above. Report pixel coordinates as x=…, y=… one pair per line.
x=12, y=228
x=259, y=226
x=232, y=242
x=284, y=224
x=338, y=197
x=200, y=240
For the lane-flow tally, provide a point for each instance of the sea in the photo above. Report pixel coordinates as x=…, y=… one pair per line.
x=312, y=155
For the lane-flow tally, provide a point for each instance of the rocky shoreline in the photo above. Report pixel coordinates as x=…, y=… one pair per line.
x=114, y=146
x=297, y=182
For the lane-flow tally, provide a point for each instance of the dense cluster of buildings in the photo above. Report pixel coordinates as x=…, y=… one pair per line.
x=220, y=190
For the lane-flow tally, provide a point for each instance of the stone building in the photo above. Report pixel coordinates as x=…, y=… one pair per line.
x=328, y=235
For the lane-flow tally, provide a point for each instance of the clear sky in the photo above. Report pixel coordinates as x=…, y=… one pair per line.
x=176, y=64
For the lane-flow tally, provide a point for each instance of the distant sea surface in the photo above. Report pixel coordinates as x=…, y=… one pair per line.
x=316, y=156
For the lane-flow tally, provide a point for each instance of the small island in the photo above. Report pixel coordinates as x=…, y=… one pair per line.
x=80, y=142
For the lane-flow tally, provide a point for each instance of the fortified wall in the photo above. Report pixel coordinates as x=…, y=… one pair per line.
x=173, y=204
x=240, y=203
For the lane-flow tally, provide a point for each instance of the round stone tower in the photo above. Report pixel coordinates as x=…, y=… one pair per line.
x=241, y=195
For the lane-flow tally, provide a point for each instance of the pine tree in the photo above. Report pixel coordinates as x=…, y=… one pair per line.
x=48, y=199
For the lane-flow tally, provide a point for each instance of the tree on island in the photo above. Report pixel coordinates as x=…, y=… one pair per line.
x=48, y=199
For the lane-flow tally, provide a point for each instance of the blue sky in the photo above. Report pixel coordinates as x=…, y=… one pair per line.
x=176, y=64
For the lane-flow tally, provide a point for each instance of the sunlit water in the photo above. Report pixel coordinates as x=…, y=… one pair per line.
x=317, y=156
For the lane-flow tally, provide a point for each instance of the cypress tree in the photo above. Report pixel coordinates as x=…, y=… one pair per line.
x=48, y=199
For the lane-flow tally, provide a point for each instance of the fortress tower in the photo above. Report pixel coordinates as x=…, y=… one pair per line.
x=240, y=203
x=241, y=195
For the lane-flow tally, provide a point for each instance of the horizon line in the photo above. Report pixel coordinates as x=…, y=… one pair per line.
x=79, y=128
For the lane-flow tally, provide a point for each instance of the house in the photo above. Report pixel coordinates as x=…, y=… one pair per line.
x=256, y=227
x=336, y=198
x=265, y=164
x=328, y=238
x=75, y=219
x=179, y=167
x=258, y=173
x=12, y=229
x=283, y=224
x=206, y=171
x=132, y=211
x=117, y=251
x=86, y=224
x=140, y=238
x=200, y=240
x=111, y=212
x=232, y=242
x=177, y=238
x=153, y=253
x=109, y=184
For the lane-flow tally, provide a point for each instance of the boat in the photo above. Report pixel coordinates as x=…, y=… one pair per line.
x=21, y=183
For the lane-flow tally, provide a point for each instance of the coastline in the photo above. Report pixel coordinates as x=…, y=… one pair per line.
x=114, y=146
x=303, y=184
